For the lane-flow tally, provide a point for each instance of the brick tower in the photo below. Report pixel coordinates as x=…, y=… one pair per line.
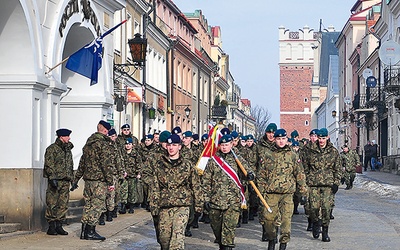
x=296, y=65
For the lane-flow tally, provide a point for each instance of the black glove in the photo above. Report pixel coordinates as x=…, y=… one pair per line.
x=74, y=186
x=120, y=181
x=207, y=206
x=250, y=176
x=53, y=183
x=335, y=188
x=303, y=200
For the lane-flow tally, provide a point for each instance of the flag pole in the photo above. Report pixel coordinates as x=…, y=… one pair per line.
x=252, y=183
x=58, y=64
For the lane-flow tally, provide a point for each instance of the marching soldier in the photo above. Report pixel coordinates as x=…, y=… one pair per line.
x=278, y=172
x=176, y=188
x=58, y=169
x=223, y=197
x=322, y=167
x=350, y=161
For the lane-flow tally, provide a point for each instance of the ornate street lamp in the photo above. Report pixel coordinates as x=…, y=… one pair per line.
x=187, y=111
x=138, y=49
x=333, y=113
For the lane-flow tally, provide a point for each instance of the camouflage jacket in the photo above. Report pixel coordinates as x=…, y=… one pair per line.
x=279, y=170
x=322, y=165
x=147, y=171
x=350, y=160
x=177, y=184
x=122, y=138
x=219, y=189
x=58, y=163
x=132, y=163
x=96, y=163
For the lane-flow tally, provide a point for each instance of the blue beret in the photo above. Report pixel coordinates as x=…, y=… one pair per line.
x=243, y=137
x=204, y=137
x=195, y=137
x=314, y=131
x=149, y=136
x=322, y=132
x=63, y=132
x=187, y=134
x=294, y=134
x=128, y=140
x=164, y=136
x=295, y=144
x=280, y=133
x=234, y=134
x=249, y=137
x=105, y=124
x=176, y=130
x=225, y=131
x=125, y=126
x=174, y=138
x=271, y=127
x=112, y=132
x=225, y=139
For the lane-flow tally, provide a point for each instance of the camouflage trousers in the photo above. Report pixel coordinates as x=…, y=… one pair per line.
x=322, y=200
x=94, y=195
x=110, y=197
x=128, y=192
x=57, y=201
x=139, y=192
x=223, y=224
x=281, y=216
x=349, y=178
x=171, y=226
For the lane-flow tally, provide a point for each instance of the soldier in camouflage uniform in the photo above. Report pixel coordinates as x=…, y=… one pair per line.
x=146, y=152
x=95, y=166
x=222, y=195
x=204, y=140
x=176, y=188
x=58, y=169
x=304, y=153
x=126, y=133
x=279, y=171
x=132, y=161
x=350, y=161
x=149, y=178
x=323, y=171
x=251, y=159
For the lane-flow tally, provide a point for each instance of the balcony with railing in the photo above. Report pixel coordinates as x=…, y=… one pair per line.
x=391, y=79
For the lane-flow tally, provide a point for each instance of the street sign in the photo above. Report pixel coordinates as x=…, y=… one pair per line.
x=367, y=73
x=371, y=82
x=347, y=100
x=389, y=52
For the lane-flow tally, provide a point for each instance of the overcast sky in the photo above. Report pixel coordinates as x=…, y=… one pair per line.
x=250, y=37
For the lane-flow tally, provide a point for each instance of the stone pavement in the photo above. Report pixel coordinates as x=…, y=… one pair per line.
x=385, y=184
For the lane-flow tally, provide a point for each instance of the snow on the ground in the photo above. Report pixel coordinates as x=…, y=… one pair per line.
x=386, y=190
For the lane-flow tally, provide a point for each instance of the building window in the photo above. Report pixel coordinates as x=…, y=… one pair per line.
x=305, y=100
x=306, y=123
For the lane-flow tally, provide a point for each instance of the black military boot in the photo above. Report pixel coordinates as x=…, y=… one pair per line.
x=251, y=215
x=59, y=229
x=188, y=233
x=316, y=230
x=271, y=245
x=310, y=224
x=123, y=208
x=207, y=219
x=195, y=223
x=325, y=236
x=202, y=217
x=83, y=230
x=91, y=234
x=114, y=213
x=296, y=207
x=331, y=215
x=245, y=216
x=282, y=246
x=239, y=223
x=52, y=228
x=264, y=236
x=101, y=220
x=131, y=210
x=109, y=216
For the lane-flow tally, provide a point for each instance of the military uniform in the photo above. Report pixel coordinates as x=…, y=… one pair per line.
x=350, y=160
x=323, y=170
x=96, y=168
x=278, y=173
x=224, y=198
x=129, y=192
x=58, y=169
x=176, y=188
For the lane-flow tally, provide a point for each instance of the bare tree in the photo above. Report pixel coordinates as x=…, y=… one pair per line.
x=262, y=117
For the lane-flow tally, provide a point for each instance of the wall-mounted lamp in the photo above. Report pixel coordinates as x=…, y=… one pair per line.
x=152, y=113
x=187, y=109
x=334, y=113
